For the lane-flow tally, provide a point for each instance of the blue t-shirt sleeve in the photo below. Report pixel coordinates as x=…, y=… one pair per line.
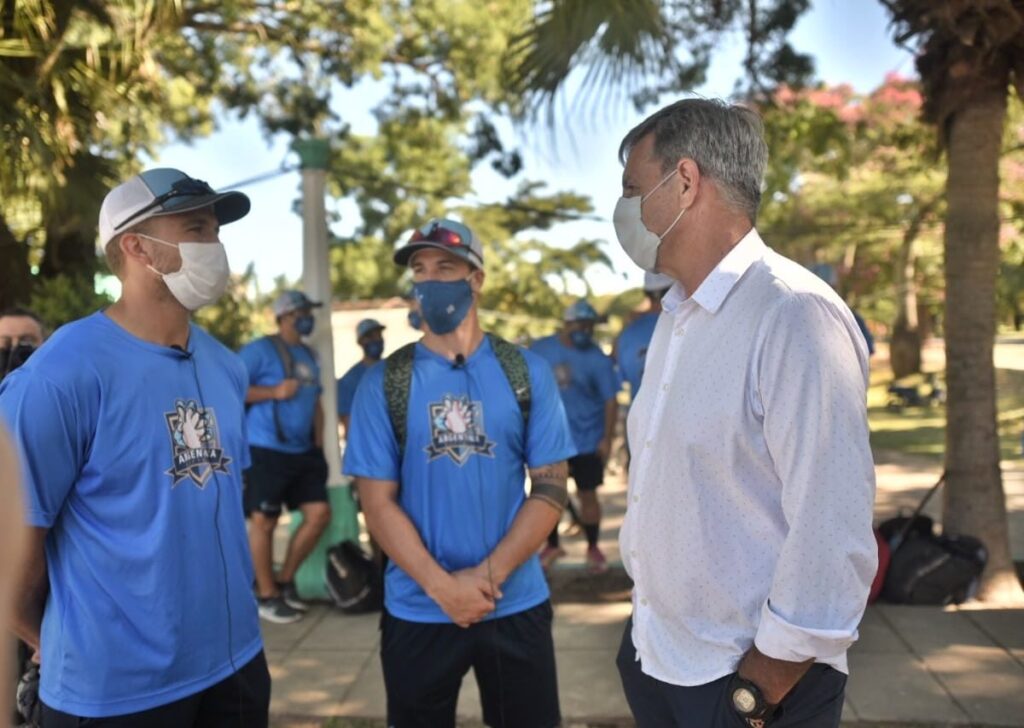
x=372, y=450
x=346, y=394
x=607, y=379
x=52, y=438
x=254, y=356
x=548, y=439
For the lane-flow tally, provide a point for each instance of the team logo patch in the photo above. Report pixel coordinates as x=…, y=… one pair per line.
x=456, y=430
x=195, y=443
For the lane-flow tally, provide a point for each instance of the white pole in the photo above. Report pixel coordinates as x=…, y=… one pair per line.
x=316, y=282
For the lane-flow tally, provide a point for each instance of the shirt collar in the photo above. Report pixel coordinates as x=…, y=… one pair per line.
x=711, y=294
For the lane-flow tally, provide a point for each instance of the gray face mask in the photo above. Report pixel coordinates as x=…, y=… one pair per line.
x=640, y=244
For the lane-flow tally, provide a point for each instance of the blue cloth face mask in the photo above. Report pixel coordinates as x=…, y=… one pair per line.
x=444, y=304
x=373, y=349
x=415, y=320
x=304, y=325
x=581, y=339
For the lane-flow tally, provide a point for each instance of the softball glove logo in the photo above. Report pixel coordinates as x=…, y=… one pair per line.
x=456, y=430
x=195, y=444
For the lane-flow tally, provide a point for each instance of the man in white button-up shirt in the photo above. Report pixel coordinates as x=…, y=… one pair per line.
x=748, y=532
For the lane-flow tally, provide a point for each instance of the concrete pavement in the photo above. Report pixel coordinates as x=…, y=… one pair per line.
x=913, y=666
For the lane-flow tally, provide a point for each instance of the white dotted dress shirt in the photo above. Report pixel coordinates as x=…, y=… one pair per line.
x=751, y=484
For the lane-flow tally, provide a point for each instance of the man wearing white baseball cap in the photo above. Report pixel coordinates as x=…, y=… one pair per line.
x=137, y=588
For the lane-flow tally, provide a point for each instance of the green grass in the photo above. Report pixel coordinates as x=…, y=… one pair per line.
x=922, y=431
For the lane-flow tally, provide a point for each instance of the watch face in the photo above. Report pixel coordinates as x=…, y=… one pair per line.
x=744, y=700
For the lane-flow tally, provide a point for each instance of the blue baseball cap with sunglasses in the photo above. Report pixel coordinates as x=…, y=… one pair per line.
x=164, y=191
x=443, y=234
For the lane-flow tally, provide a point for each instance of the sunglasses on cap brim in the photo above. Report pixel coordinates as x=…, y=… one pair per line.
x=186, y=187
x=438, y=233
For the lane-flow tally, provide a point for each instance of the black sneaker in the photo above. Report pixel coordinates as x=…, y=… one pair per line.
x=291, y=596
x=274, y=609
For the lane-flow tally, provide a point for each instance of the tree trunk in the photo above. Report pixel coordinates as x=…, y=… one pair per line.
x=14, y=270
x=974, y=501
x=71, y=216
x=905, y=343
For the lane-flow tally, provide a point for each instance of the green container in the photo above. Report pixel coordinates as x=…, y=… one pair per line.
x=309, y=579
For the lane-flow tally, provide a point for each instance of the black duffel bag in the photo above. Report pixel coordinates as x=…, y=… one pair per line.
x=935, y=570
x=928, y=569
x=353, y=579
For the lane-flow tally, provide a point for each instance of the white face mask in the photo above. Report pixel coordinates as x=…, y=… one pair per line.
x=203, y=276
x=640, y=243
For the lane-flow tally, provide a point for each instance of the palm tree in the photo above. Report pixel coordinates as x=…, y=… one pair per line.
x=969, y=54
x=971, y=50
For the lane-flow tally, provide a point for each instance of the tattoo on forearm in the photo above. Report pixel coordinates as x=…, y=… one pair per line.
x=549, y=484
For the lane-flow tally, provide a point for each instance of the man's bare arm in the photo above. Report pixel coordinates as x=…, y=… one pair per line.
x=611, y=419
x=318, y=425
x=539, y=514
x=31, y=586
x=465, y=598
x=776, y=678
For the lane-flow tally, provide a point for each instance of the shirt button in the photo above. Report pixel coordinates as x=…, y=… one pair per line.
x=664, y=387
x=636, y=499
x=643, y=602
x=648, y=443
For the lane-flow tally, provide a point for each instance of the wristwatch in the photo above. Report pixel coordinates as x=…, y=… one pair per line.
x=748, y=700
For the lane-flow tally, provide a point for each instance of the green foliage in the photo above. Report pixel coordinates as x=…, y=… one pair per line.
x=86, y=87
x=64, y=298
x=240, y=315
x=851, y=181
x=645, y=49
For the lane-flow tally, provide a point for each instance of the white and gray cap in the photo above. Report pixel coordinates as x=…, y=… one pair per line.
x=164, y=191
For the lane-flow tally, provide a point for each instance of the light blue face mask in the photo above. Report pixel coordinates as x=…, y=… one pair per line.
x=444, y=304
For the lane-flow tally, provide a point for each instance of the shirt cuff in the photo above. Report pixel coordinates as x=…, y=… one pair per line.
x=785, y=641
x=38, y=519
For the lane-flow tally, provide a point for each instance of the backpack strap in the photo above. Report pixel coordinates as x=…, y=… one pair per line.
x=513, y=364
x=397, y=384
x=288, y=362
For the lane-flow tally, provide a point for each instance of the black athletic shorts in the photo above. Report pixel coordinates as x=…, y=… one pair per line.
x=513, y=658
x=277, y=478
x=587, y=470
x=241, y=699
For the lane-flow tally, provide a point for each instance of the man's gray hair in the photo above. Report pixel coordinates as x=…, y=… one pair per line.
x=726, y=141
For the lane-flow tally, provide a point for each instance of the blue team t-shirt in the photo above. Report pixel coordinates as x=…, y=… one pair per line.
x=631, y=351
x=586, y=380
x=462, y=474
x=347, y=386
x=132, y=456
x=296, y=414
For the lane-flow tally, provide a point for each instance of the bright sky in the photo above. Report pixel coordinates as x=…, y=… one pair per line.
x=849, y=39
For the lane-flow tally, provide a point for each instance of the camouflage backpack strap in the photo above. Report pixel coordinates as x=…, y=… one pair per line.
x=397, y=383
x=513, y=364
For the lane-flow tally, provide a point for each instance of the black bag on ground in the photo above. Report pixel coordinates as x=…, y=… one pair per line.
x=353, y=580
x=927, y=569
x=937, y=570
